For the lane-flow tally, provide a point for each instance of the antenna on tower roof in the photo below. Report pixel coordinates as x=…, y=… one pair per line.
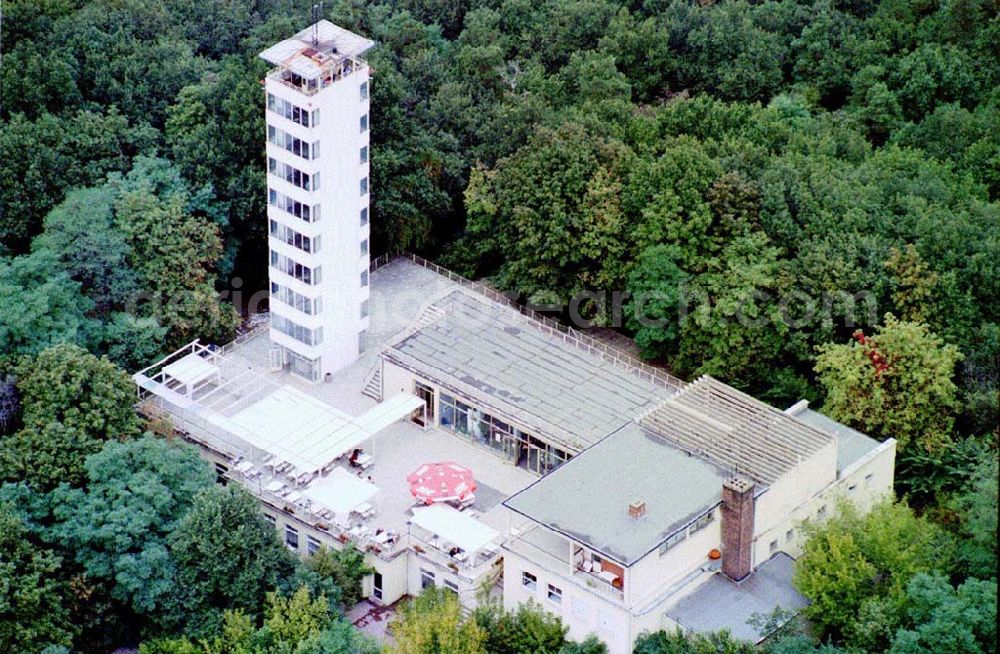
x=317, y=12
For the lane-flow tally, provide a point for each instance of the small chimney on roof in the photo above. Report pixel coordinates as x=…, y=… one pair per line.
x=637, y=509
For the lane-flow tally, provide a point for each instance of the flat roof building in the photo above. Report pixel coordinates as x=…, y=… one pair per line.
x=514, y=365
x=589, y=499
x=616, y=496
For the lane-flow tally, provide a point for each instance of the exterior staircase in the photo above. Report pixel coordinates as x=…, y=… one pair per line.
x=373, y=384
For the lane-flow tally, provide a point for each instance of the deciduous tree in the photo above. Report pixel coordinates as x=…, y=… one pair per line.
x=433, y=623
x=72, y=403
x=117, y=525
x=941, y=618
x=896, y=383
x=526, y=630
x=346, y=568
x=855, y=568
x=33, y=615
x=227, y=557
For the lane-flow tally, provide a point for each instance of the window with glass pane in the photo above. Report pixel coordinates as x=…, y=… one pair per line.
x=454, y=414
x=291, y=537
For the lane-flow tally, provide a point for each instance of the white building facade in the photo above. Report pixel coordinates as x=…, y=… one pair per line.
x=618, y=502
x=318, y=126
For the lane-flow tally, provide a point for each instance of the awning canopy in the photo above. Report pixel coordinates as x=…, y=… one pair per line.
x=389, y=411
x=297, y=428
x=454, y=526
x=341, y=492
x=247, y=411
x=307, y=432
x=190, y=370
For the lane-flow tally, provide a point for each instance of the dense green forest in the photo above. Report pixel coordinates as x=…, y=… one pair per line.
x=813, y=166
x=799, y=197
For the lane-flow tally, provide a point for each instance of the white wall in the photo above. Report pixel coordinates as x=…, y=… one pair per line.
x=654, y=573
x=864, y=483
x=795, y=488
x=397, y=380
x=339, y=166
x=584, y=612
x=394, y=578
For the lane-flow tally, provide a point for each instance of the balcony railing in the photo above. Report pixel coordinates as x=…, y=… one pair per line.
x=473, y=568
x=526, y=544
x=598, y=585
x=332, y=72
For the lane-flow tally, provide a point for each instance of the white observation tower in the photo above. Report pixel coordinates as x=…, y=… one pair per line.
x=318, y=190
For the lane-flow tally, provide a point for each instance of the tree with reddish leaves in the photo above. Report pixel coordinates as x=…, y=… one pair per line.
x=896, y=383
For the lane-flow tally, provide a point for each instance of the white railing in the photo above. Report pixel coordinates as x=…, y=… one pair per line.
x=598, y=585
x=331, y=72
x=477, y=565
x=263, y=322
x=571, y=336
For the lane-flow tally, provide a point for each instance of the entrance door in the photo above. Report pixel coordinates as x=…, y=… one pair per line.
x=377, y=586
x=425, y=393
x=532, y=454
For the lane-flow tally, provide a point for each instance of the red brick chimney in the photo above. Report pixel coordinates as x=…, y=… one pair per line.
x=737, y=527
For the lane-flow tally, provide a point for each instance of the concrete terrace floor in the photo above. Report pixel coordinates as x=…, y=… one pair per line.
x=402, y=447
x=373, y=620
x=399, y=291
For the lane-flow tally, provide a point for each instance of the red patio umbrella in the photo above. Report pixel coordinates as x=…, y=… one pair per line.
x=441, y=482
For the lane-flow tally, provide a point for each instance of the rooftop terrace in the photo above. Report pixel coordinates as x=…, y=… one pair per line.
x=316, y=56
x=721, y=603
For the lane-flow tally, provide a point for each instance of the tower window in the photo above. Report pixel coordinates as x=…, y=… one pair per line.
x=364, y=154
x=364, y=123
x=364, y=91
x=364, y=216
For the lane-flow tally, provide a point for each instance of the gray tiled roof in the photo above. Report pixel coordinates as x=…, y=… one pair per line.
x=505, y=361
